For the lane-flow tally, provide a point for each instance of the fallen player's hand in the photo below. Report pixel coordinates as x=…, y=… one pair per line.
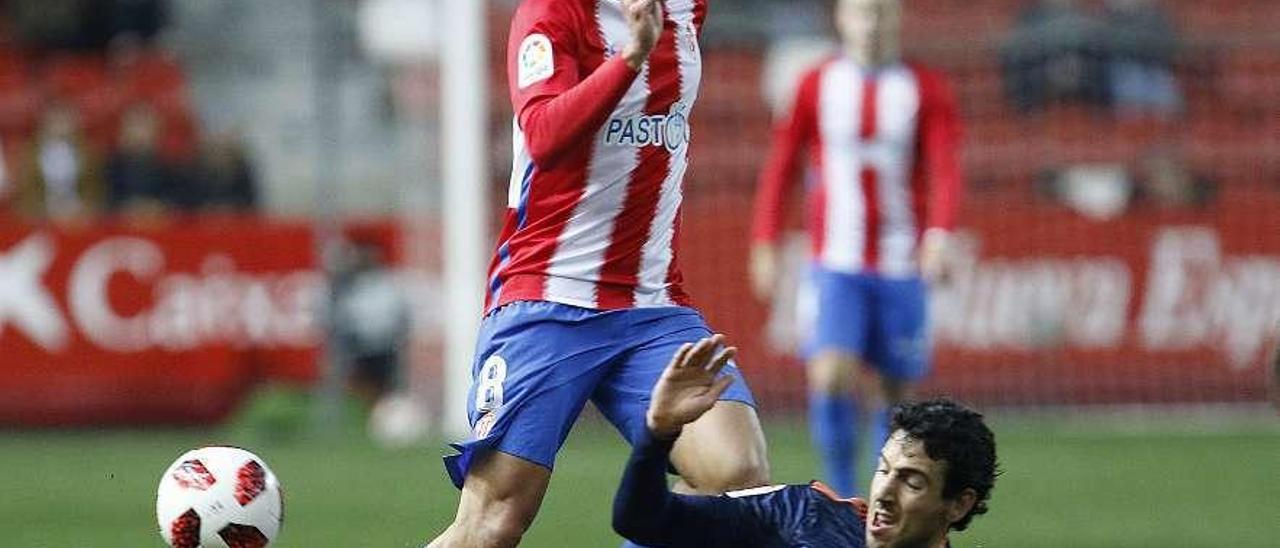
x=689, y=386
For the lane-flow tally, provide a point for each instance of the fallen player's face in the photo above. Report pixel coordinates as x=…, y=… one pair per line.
x=906, y=505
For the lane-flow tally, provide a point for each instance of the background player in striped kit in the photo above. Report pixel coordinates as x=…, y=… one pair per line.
x=881, y=138
x=585, y=299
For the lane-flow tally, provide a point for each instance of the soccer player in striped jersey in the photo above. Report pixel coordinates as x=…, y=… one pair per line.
x=880, y=138
x=585, y=299
x=935, y=473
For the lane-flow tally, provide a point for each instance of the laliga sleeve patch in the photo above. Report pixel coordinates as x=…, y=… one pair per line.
x=536, y=62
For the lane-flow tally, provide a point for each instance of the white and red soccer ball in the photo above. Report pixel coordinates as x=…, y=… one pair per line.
x=219, y=497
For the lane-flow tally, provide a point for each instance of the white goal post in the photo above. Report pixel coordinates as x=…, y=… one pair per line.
x=464, y=153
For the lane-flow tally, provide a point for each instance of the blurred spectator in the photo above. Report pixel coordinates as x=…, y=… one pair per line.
x=1164, y=181
x=224, y=177
x=1097, y=191
x=1122, y=59
x=1142, y=47
x=61, y=176
x=371, y=320
x=1159, y=180
x=1055, y=53
x=139, y=179
x=85, y=24
x=55, y=24
x=140, y=19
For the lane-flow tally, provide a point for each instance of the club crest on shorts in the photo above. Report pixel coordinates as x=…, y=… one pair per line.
x=535, y=61
x=485, y=425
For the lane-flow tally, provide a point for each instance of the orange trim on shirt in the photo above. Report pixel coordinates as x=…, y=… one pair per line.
x=858, y=504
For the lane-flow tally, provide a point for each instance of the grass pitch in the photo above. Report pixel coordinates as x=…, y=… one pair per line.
x=1071, y=485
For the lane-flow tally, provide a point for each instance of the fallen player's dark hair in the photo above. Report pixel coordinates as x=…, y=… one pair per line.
x=956, y=435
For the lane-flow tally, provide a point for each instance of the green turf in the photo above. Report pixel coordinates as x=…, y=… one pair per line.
x=1070, y=487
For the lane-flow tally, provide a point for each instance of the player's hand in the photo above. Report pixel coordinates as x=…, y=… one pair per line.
x=644, y=19
x=764, y=270
x=689, y=386
x=935, y=263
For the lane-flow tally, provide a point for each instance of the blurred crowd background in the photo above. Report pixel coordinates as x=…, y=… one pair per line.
x=1093, y=128
x=111, y=106
x=226, y=213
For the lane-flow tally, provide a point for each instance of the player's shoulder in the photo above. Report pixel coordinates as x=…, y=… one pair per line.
x=810, y=77
x=839, y=521
x=566, y=13
x=822, y=65
x=928, y=75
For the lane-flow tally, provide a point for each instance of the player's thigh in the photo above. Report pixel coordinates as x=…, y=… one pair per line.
x=652, y=338
x=536, y=365
x=844, y=306
x=732, y=451
x=899, y=348
x=723, y=450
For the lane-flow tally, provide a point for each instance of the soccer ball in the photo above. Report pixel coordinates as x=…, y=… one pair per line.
x=219, y=497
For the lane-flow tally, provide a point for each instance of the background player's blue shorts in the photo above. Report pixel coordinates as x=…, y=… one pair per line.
x=882, y=320
x=537, y=363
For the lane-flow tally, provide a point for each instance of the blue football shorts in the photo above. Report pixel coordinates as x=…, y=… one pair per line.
x=883, y=321
x=537, y=363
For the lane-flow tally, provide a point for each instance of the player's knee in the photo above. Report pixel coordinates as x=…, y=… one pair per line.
x=742, y=470
x=498, y=523
x=894, y=391
x=502, y=531
x=499, y=501
x=832, y=373
x=722, y=451
x=750, y=472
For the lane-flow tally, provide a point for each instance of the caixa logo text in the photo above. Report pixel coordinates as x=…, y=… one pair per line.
x=664, y=130
x=217, y=303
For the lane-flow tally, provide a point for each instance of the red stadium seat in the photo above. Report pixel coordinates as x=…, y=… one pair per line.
x=152, y=74
x=70, y=75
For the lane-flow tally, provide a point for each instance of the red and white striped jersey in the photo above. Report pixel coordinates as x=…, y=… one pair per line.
x=883, y=150
x=600, y=155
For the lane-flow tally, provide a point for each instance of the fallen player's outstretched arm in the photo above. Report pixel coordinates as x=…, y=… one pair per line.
x=646, y=512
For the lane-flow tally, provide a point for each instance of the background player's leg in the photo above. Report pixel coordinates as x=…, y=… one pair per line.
x=838, y=403
x=874, y=406
x=834, y=416
x=897, y=351
x=500, y=498
x=892, y=392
